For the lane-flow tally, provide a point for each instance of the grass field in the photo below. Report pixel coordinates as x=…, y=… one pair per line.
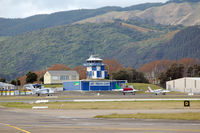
x=143, y=86
x=173, y=116
x=108, y=105
x=53, y=86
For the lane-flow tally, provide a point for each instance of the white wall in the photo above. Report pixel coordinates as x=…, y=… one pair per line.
x=184, y=85
x=47, y=78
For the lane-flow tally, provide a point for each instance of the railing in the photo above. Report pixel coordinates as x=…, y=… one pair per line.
x=93, y=64
x=20, y=92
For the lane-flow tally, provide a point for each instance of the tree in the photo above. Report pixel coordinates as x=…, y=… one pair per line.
x=131, y=75
x=18, y=82
x=190, y=71
x=31, y=77
x=174, y=72
x=193, y=71
x=42, y=79
x=13, y=82
x=112, y=65
x=3, y=80
x=122, y=74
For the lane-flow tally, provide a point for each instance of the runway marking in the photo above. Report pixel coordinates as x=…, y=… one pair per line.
x=122, y=100
x=16, y=128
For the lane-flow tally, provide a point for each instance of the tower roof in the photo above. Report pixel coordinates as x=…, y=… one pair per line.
x=94, y=58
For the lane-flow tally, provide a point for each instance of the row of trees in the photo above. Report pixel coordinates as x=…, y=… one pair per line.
x=165, y=70
x=178, y=71
x=131, y=75
x=30, y=78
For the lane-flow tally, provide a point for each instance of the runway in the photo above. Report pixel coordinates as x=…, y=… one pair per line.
x=101, y=100
x=34, y=121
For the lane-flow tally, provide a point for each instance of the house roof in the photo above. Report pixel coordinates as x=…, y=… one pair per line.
x=62, y=72
x=94, y=58
x=5, y=84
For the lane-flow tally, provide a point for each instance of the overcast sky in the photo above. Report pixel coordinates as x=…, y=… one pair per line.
x=25, y=8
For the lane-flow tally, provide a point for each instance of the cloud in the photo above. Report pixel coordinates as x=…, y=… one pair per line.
x=25, y=8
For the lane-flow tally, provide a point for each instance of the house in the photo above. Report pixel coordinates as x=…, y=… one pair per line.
x=187, y=85
x=58, y=77
x=5, y=86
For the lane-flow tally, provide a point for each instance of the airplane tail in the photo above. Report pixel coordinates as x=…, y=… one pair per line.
x=117, y=86
x=149, y=89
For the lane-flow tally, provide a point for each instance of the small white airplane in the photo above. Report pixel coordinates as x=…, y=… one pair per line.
x=129, y=89
x=36, y=89
x=157, y=91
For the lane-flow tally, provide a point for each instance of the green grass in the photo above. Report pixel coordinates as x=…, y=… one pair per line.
x=54, y=86
x=108, y=105
x=174, y=116
x=16, y=105
x=143, y=86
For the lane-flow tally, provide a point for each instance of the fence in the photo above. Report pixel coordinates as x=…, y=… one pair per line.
x=13, y=92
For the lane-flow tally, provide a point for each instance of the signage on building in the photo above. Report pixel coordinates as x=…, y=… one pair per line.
x=76, y=83
x=99, y=83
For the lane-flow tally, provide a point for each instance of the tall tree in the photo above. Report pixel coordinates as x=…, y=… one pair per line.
x=174, y=72
x=3, y=80
x=31, y=77
x=13, y=82
x=131, y=75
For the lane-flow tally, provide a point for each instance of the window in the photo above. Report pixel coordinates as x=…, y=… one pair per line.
x=64, y=77
x=102, y=68
x=55, y=78
x=94, y=68
x=73, y=77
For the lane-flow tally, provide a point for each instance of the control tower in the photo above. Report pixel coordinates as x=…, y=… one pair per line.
x=95, y=68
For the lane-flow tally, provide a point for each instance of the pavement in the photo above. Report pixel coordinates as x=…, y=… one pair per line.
x=82, y=121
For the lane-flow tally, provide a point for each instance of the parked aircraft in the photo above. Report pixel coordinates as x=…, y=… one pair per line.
x=37, y=89
x=157, y=91
x=129, y=89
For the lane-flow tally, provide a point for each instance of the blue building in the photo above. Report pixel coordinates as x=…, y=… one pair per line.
x=93, y=85
x=95, y=68
x=96, y=75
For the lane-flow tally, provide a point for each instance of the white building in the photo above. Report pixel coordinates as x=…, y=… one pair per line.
x=95, y=68
x=187, y=85
x=6, y=86
x=58, y=77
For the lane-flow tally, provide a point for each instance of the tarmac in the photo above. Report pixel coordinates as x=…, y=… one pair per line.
x=82, y=121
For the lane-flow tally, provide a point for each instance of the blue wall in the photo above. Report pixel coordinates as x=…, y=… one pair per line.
x=92, y=85
x=72, y=85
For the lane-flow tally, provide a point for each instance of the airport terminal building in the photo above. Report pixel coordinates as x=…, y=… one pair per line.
x=95, y=81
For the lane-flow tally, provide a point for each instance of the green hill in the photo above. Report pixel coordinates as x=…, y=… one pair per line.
x=37, y=42
x=72, y=45
x=11, y=27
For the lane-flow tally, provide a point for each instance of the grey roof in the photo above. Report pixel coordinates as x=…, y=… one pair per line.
x=5, y=84
x=62, y=72
x=94, y=58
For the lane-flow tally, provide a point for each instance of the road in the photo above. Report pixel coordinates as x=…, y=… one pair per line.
x=41, y=121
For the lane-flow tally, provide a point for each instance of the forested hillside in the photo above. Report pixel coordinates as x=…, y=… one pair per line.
x=38, y=42
x=17, y=26
x=184, y=44
x=69, y=45
x=72, y=45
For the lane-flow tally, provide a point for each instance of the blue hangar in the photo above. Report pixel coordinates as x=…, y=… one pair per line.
x=95, y=81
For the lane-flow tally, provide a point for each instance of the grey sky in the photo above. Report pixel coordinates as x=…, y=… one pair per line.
x=25, y=8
